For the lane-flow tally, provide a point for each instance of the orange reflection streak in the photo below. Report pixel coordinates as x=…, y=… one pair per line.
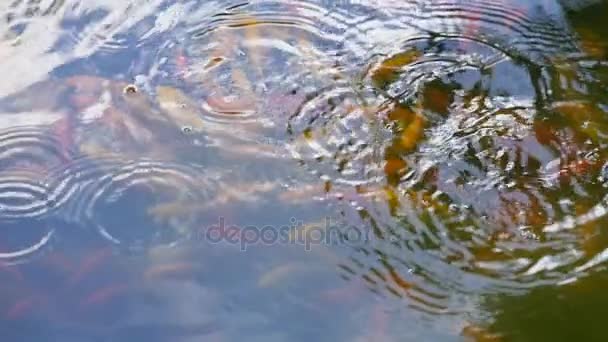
x=402, y=283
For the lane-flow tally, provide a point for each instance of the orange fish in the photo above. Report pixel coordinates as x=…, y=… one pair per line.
x=578, y=168
x=104, y=295
x=169, y=270
x=90, y=263
x=24, y=306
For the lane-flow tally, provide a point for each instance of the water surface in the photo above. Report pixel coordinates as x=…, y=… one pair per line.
x=296, y=170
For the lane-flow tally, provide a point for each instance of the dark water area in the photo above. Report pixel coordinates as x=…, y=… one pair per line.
x=303, y=170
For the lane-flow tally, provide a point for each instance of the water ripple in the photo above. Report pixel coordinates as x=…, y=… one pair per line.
x=462, y=135
x=331, y=130
x=241, y=57
x=452, y=140
x=26, y=239
x=134, y=204
x=25, y=216
x=31, y=147
x=21, y=195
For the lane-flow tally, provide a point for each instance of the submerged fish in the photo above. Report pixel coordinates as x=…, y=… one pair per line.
x=161, y=332
x=34, y=330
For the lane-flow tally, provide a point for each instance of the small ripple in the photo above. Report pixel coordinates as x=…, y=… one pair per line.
x=276, y=15
x=71, y=182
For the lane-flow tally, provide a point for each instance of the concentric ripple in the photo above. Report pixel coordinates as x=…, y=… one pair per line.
x=26, y=206
x=25, y=216
x=23, y=195
x=137, y=204
x=33, y=147
x=243, y=57
x=26, y=238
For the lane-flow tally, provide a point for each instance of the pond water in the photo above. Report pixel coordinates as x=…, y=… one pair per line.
x=371, y=170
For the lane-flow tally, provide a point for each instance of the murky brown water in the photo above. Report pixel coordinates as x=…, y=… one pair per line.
x=288, y=170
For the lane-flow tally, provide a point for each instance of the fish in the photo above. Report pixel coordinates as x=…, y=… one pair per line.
x=282, y=272
x=180, y=110
x=169, y=270
x=160, y=332
x=389, y=69
x=103, y=295
x=89, y=264
x=276, y=274
x=24, y=306
x=411, y=135
x=245, y=192
x=68, y=331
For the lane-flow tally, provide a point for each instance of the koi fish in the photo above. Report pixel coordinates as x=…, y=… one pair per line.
x=90, y=263
x=24, y=306
x=161, y=332
x=169, y=270
x=103, y=295
x=279, y=273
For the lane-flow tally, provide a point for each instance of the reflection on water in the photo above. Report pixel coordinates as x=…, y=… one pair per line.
x=161, y=162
